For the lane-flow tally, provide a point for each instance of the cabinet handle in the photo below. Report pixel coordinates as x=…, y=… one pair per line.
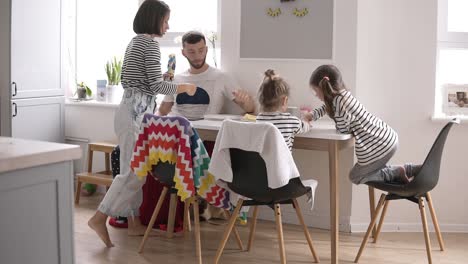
x=16, y=110
x=15, y=89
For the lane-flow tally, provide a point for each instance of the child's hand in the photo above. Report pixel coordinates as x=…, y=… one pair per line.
x=307, y=116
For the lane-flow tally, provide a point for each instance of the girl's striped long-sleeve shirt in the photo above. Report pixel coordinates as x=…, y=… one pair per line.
x=374, y=139
x=141, y=69
x=287, y=124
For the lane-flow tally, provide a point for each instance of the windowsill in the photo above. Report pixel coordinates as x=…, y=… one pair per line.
x=441, y=118
x=92, y=103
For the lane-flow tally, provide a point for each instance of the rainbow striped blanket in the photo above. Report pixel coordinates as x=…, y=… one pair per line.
x=173, y=140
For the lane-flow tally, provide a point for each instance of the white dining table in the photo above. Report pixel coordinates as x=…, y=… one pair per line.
x=323, y=136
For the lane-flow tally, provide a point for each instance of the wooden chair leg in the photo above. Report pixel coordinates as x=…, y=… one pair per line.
x=372, y=206
x=306, y=231
x=107, y=163
x=171, y=216
x=78, y=192
x=236, y=234
x=382, y=217
x=153, y=219
x=228, y=230
x=196, y=217
x=187, y=224
x=253, y=225
x=435, y=222
x=371, y=226
x=279, y=229
x=426, y=232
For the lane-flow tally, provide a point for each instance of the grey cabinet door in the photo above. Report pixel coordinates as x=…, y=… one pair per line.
x=36, y=48
x=39, y=119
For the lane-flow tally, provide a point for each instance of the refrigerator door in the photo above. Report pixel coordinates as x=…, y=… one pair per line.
x=39, y=119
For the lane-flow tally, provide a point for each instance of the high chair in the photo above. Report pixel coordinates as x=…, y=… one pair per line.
x=101, y=177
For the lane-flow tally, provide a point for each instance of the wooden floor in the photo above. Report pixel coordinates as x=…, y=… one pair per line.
x=393, y=248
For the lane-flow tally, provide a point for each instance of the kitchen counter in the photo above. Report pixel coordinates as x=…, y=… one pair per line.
x=21, y=153
x=36, y=201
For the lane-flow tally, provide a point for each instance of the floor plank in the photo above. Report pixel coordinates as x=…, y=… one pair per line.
x=393, y=248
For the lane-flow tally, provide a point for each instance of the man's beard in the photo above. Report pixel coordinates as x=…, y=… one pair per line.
x=197, y=66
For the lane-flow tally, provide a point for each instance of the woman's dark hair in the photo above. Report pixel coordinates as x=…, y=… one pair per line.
x=328, y=79
x=150, y=17
x=193, y=37
x=272, y=91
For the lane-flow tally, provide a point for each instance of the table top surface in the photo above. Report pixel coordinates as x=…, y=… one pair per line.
x=322, y=129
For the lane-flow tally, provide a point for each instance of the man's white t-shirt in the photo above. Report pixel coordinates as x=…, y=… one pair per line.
x=213, y=86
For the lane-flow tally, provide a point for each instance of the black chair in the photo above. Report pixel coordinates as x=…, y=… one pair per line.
x=424, y=181
x=250, y=180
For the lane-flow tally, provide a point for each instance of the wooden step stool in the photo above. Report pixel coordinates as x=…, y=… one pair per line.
x=101, y=177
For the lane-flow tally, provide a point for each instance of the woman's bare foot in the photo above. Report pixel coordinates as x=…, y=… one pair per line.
x=98, y=223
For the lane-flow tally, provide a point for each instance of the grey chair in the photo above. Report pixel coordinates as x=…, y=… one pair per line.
x=424, y=181
x=250, y=180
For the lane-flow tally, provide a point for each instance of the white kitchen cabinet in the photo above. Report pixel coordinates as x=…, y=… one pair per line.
x=36, y=48
x=39, y=119
x=36, y=201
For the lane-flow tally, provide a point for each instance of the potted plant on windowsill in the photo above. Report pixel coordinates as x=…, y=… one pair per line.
x=113, y=71
x=82, y=90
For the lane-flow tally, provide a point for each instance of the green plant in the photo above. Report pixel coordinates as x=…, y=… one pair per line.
x=113, y=70
x=82, y=85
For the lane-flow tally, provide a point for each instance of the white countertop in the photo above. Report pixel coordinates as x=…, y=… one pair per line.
x=322, y=129
x=21, y=153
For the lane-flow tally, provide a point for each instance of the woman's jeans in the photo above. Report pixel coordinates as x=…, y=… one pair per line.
x=124, y=195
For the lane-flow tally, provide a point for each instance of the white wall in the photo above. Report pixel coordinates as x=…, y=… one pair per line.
x=396, y=63
x=250, y=73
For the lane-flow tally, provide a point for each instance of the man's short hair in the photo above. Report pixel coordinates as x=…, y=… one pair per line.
x=150, y=16
x=193, y=37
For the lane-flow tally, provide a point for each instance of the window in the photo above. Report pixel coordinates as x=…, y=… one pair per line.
x=452, y=77
x=104, y=28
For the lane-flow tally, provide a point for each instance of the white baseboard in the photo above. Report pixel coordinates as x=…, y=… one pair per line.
x=411, y=227
x=312, y=220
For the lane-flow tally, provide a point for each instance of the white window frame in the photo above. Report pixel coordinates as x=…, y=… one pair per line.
x=446, y=40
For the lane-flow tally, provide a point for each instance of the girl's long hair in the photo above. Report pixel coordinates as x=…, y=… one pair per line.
x=328, y=79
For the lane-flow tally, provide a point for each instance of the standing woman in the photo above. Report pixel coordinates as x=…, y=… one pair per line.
x=142, y=80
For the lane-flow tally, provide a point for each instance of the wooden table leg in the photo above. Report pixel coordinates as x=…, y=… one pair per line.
x=334, y=198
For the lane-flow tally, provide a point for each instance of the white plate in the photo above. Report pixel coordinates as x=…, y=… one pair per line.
x=221, y=117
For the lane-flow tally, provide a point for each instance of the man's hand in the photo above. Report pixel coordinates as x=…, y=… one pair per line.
x=244, y=100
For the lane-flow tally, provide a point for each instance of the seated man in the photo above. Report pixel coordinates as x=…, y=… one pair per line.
x=213, y=85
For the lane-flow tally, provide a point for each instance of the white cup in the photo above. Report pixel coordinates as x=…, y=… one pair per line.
x=294, y=110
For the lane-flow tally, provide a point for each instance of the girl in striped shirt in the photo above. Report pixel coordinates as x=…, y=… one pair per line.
x=273, y=96
x=142, y=81
x=375, y=141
